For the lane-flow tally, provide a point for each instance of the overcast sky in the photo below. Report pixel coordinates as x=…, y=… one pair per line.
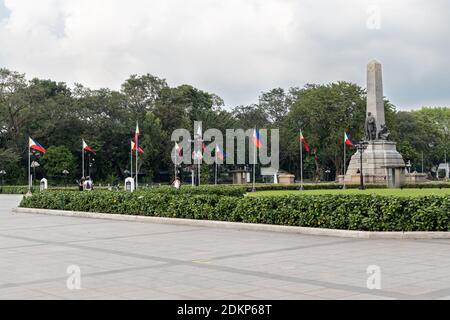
x=234, y=48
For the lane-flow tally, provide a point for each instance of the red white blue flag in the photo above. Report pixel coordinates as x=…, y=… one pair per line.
x=304, y=142
x=220, y=153
x=36, y=146
x=133, y=147
x=347, y=140
x=257, y=139
x=87, y=148
x=178, y=149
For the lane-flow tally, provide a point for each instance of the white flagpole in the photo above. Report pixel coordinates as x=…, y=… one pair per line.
x=301, y=161
x=137, y=156
x=199, y=155
x=344, y=161
x=29, y=167
x=254, y=162
x=215, y=177
x=82, y=158
x=175, y=162
x=131, y=159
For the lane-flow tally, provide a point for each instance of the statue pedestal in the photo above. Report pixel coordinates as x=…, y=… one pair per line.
x=382, y=164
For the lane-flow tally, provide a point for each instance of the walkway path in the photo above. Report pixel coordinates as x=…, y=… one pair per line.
x=130, y=260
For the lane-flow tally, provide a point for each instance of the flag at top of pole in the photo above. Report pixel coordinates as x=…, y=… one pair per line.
x=257, y=139
x=347, y=140
x=178, y=149
x=36, y=146
x=133, y=147
x=87, y=148
x=220, y=153
x=304, y=142
x=258, y=144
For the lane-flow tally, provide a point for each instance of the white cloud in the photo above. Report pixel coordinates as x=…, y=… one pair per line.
x=234, y=48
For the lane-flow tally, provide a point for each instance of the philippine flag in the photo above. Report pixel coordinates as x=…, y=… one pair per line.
x=304, y=142
x=220, y=153
x=347, y=140
x=87, y=148
x=137, y=132
x=133, y=147
x=36, y=146
x=178, y=149
x=256, y=139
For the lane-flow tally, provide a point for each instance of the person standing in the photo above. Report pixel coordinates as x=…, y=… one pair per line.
x=81, y=184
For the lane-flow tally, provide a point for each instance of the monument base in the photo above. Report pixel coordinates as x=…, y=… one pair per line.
x=416, y=178
x=382, y=164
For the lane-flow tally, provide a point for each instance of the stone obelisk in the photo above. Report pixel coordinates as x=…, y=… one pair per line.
x=375, y=102
x=382, y=163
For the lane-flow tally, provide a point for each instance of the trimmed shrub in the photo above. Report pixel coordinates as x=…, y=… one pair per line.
x=349, y=212
x=17, y=189
x=332, y=185
x=222, y=190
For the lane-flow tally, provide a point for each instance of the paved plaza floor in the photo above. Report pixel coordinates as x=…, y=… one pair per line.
x=40, y=257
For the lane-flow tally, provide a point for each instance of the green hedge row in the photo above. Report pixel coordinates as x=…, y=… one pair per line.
x=350, y=212
x=327, y=186
x=233, y=190
x=223, y=190
x=433, y=185
x=308, y=186
x=17, y=189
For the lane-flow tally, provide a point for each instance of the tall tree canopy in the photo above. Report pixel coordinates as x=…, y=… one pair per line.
x=59, y=117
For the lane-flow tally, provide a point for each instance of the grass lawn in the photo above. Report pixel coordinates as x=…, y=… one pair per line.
x=382, y=192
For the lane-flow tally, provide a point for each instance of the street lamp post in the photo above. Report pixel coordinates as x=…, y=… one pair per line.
x=91, y=162
x=2, y=173
x=408, y=169
x=34, y=165
x=300, y=124
x=65, y=173
x=361, y=146
x=446, y=130
x=328, y=171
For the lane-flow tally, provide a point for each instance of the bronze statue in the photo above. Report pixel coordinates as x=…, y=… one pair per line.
x=370, y=128
x=384, y=133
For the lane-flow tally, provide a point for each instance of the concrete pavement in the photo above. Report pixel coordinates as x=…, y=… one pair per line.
x=40, y=257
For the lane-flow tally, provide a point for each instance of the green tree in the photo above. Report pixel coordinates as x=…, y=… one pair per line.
x=251, y=116
x=9, y=162
x=423, y=133
x=15, y=108
x=57, y=159
x=276, y=103
x=142, y=92
x=156, y=144
x=323, y=112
